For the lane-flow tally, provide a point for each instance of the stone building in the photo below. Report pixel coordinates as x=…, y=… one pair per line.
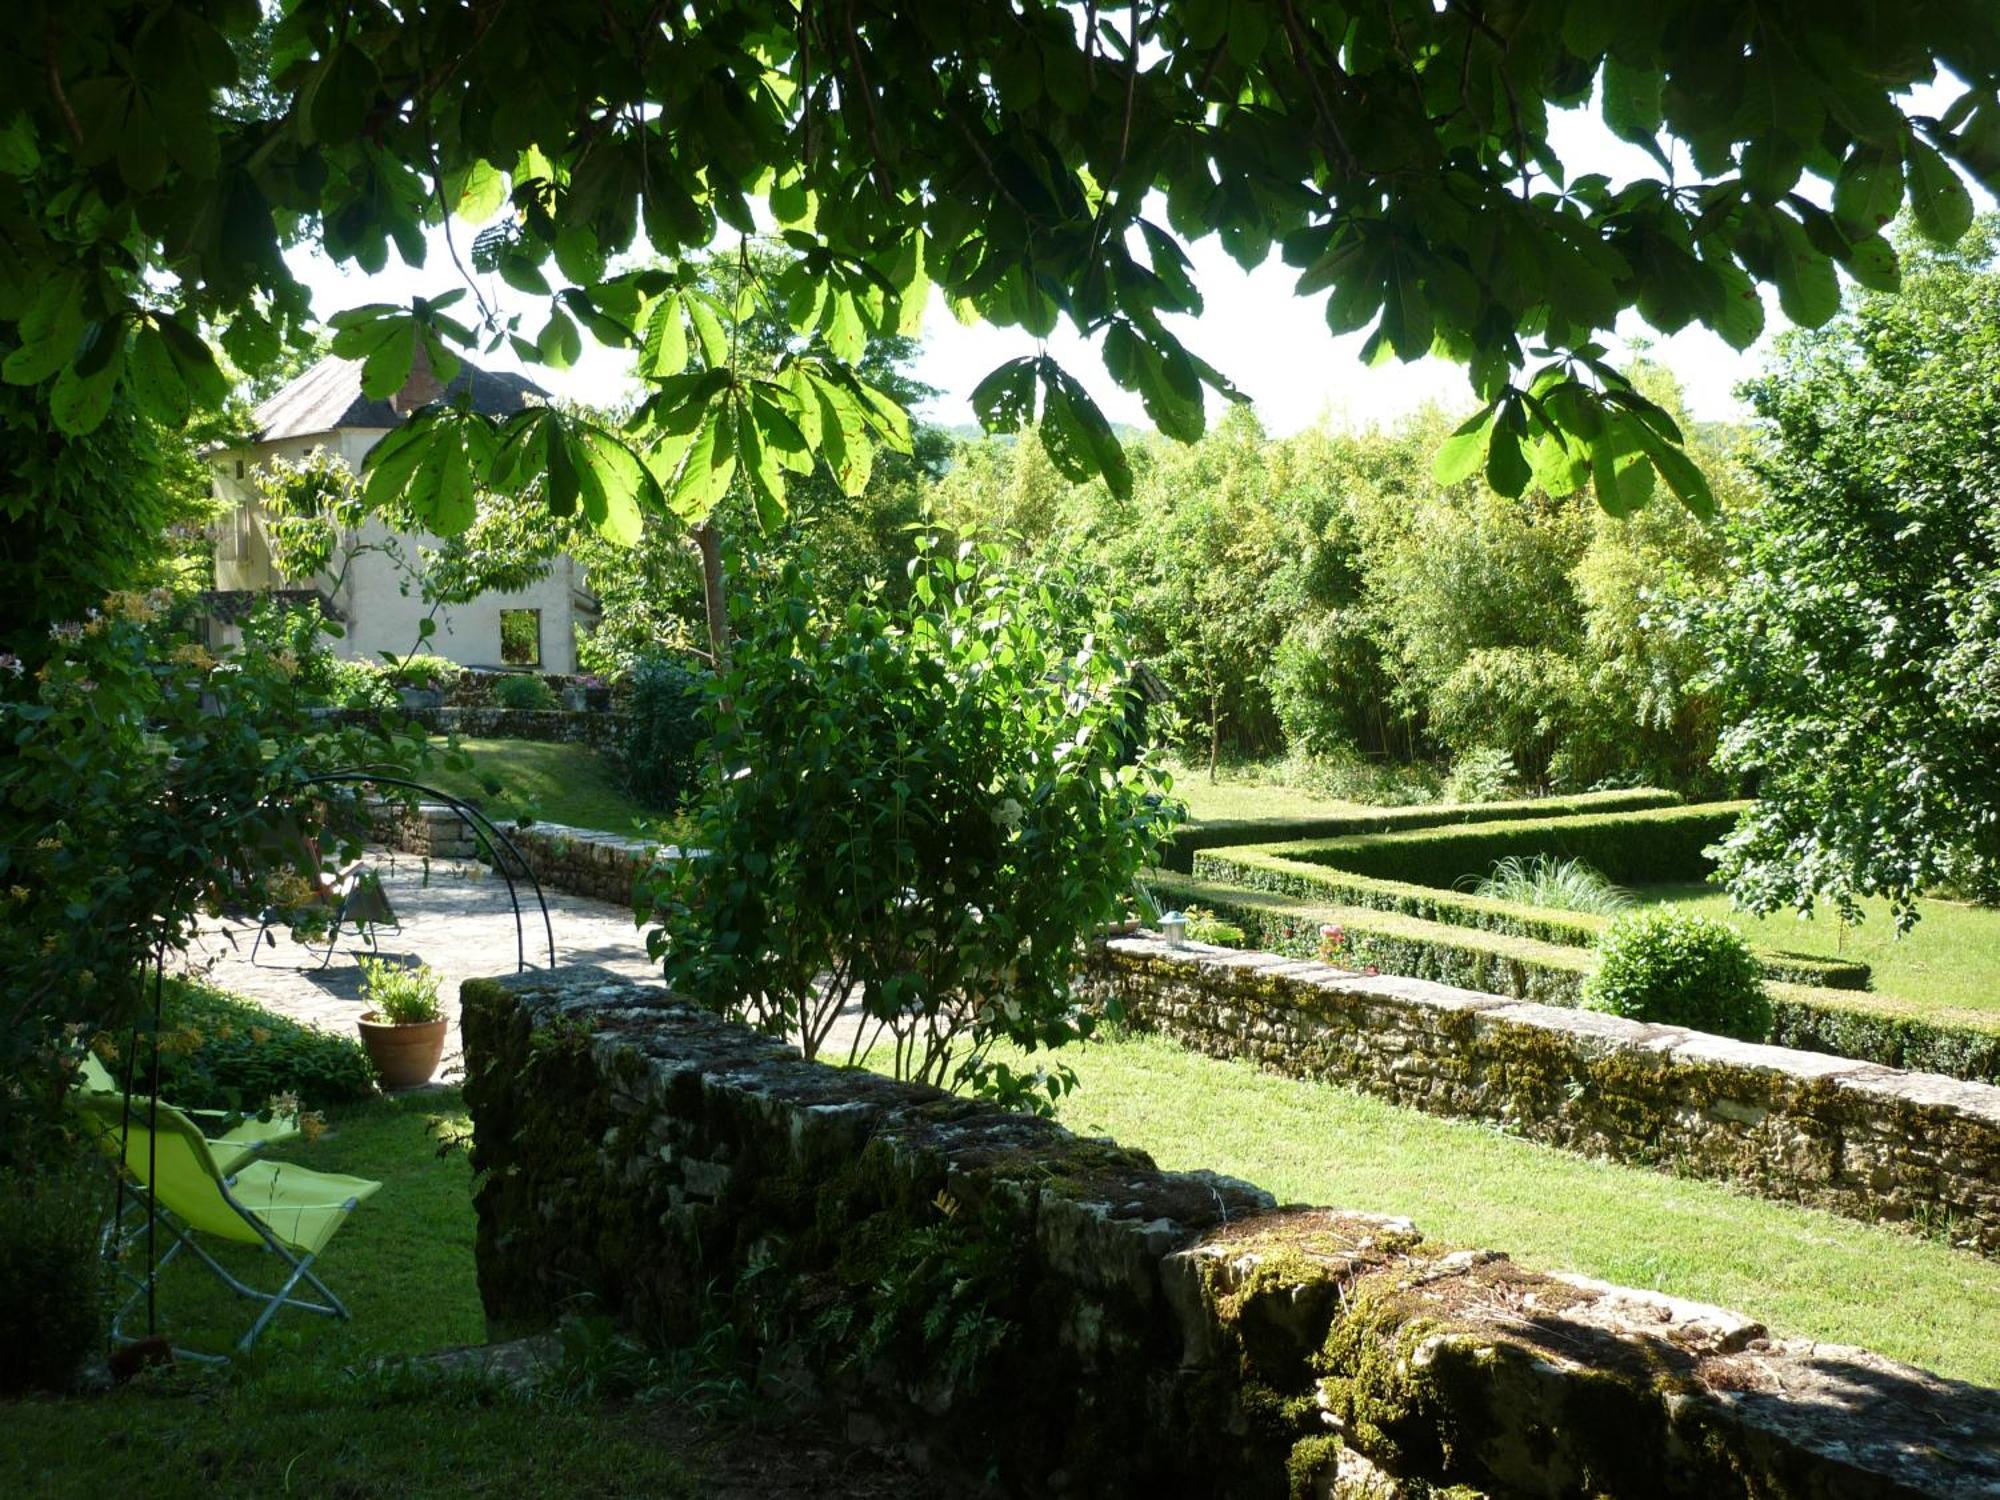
x=372, y=599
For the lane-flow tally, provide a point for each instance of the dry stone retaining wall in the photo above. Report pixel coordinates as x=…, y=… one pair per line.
x=1046, y=1315
x=582, y=861
x=562, y=726
x=1857, y=1138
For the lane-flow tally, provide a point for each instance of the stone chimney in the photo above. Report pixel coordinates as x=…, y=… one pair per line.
x=422, y=388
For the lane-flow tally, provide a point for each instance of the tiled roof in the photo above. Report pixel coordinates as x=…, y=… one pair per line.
x=329, y=395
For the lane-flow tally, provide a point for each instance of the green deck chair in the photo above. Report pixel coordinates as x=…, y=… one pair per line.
x=231, y=1147
x=291, y=1211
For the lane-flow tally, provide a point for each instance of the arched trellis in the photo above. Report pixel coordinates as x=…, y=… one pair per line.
x=505, y=851
x=505, y=854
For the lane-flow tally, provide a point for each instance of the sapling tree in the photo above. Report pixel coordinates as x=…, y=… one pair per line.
x=920, y=814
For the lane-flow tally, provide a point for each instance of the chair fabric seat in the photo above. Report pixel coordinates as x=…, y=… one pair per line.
x=231, y=1147
x=300, y=1206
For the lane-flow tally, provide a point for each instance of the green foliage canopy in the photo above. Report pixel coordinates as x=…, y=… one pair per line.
x=1037, y=162
x=1858, y=646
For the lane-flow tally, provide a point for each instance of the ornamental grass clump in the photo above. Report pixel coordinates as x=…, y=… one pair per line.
x=1672, y=966
x=1549, y=881
x=52, y=1278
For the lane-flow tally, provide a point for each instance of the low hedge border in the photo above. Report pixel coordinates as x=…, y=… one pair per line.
x=1278, y=868
x=1222, y=833
x=1870, y=1028
x=1643, y=847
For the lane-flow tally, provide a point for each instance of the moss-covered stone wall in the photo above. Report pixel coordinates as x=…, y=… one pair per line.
x=1038, y=1314
x=1854, y=1137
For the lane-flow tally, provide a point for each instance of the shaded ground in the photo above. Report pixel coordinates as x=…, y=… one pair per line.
x=370, y=1408
x=454, y=916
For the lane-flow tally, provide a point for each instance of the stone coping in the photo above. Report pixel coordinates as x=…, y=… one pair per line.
x=1157, y=1332
x=1859, y=1138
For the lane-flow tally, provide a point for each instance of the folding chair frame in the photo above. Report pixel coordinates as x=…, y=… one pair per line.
x=347, y=885
x=119, y=1238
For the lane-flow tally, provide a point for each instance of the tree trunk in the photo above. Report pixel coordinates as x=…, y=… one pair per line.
x=1214, y=731
x=714, y=603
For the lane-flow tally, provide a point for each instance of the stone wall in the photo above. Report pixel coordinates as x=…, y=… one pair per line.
x=562, y=726
x=582, y=861
x=1038, y=1314
x=1857, y=1138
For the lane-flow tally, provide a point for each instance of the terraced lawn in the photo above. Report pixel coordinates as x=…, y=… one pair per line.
x=1801, y=1271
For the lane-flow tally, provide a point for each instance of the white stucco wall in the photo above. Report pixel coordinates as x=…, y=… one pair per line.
x=380, y=615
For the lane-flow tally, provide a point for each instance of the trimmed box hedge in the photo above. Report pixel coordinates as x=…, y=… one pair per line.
x=1222, y=833
x=1397, y=872
x=1643, y=847
x=1872, y=1028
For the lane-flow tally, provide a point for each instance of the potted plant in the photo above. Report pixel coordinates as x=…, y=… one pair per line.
x=403, y=1029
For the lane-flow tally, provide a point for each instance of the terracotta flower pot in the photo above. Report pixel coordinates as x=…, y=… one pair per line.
x=406, y=1056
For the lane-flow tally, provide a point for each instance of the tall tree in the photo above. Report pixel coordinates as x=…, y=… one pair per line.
x=161, y=157
x=1859, y=647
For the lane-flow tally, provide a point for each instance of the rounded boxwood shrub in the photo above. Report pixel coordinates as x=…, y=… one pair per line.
x=1682, y=969
x=524, y=690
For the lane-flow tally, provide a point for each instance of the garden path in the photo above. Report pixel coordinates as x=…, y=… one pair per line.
x=455, y=916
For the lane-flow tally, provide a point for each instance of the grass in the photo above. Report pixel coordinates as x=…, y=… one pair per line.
x=1951, y=957
x=1802, y=1272
x=308, y=1413
x=556, y=783
x=1236, y=798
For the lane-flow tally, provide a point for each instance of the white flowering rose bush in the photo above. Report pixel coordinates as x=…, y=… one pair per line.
x=923, y=812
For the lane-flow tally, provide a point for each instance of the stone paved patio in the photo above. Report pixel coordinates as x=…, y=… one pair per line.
x=455, y=916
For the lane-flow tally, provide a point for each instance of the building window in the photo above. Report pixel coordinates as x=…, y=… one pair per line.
x=521, y=637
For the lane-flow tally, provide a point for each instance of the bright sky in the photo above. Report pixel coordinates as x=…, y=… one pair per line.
x=1274, y=346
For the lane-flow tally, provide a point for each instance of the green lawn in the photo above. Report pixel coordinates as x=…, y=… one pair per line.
x=1800, y=1271
x=305, y=1414
x=1952, y=956
x=1233, y=797
x=557, y=783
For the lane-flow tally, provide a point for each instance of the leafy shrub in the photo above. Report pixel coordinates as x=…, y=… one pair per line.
x=422, y=672
x=1204, y=926
x=523, y=690
x=218, y=1051
x=930, y=806
x=146, y=778
x=1546, y=880
x=404, y=994
x=663, y=741
x=1483, y=774
x=52, y=1283
x=359, y=684
x=1673, y=966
